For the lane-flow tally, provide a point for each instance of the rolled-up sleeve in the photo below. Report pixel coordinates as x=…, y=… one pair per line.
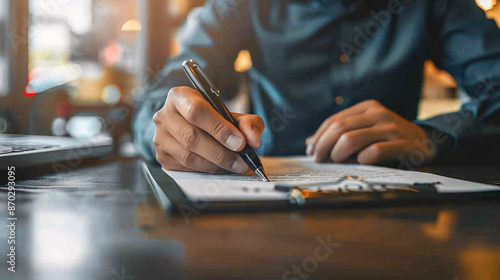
x=212, y=36
x=467, y=45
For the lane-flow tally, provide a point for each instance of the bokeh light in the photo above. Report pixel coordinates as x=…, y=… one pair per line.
x=486, y=4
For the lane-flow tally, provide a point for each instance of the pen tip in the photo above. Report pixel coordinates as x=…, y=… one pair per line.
x=262, y=174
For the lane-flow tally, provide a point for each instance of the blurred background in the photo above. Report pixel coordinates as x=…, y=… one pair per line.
x=77, y=67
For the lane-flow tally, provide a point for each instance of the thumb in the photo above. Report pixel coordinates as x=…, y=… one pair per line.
x=252, y=126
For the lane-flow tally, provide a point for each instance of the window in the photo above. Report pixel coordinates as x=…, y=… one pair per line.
x=83, y=43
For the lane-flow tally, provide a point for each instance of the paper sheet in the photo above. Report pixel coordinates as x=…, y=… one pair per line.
x=296, y=170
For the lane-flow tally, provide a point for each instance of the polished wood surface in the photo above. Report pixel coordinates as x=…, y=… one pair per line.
x=101, y=220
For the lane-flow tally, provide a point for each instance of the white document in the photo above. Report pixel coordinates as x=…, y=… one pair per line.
x=303, y=170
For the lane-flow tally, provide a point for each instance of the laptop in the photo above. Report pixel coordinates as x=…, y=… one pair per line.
x=30, y=150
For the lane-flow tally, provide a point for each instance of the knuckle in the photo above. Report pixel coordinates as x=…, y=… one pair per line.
x=178, y=91
x=219, y=130
x=192, y=111
x=393, y=129
x=173, y=98
x=189, y=137
x=329, y=121
x=220, y=159
x=339, y=126
x=157, y=118
x=173, y=92
x=383, y=114
x=372, y=105
x=186, y=158
x=184, y=90
x=347, y=141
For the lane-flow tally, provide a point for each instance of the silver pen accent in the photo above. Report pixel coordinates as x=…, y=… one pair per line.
x=262, y=174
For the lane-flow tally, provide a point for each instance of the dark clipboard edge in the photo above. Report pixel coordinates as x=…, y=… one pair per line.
x=173, y=200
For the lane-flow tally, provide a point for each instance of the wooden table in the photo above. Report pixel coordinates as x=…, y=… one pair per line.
x=101, y=220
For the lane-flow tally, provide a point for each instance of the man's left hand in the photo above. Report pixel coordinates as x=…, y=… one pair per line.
x=372, y=132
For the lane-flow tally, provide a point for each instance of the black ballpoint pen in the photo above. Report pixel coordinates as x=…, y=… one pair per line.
x=212, y=95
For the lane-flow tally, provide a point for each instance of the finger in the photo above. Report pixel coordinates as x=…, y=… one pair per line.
x=357, y=109
x=310, y=145
x=169, y=163
x=322, y=146
x=308, y=140
x=252, y=126
x=383, y=152
x=354, y=141
x=165, y=160
x=167, y=145
x=199, y=142
x=198, y=112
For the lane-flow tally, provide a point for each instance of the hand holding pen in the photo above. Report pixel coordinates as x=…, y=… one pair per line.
x=192, y=136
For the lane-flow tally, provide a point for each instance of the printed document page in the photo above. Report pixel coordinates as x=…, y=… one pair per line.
x=303, y=170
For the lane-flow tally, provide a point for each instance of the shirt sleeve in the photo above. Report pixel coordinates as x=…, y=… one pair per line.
x=212, y=36
x=466, y=44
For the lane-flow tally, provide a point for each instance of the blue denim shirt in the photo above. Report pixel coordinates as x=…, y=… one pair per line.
x=309, y=55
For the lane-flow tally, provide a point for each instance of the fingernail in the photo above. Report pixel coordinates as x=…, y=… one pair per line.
x=310, y=148
x=234, y=142
x=239, y=166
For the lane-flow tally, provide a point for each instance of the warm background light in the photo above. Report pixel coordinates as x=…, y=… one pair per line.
x=132, y=25
x=486, y=4
x=244, y=62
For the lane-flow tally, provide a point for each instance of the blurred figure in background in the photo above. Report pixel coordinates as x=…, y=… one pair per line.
x=336, y=79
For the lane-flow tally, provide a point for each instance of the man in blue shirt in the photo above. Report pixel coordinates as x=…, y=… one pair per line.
x=307, y=54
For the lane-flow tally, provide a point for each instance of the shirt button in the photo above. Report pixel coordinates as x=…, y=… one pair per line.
x=344, y=58
x=339, y=100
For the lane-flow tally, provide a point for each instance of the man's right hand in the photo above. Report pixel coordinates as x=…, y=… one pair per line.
x=192, y=136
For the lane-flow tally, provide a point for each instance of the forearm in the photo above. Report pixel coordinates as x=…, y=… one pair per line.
x=466, y=44
x=470, y=135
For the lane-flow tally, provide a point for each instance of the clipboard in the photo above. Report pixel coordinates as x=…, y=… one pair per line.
x=174, y=201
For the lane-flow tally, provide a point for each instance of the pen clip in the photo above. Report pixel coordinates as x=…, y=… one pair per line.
x=198, y=72
x=213, y=89
x=207, y=88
